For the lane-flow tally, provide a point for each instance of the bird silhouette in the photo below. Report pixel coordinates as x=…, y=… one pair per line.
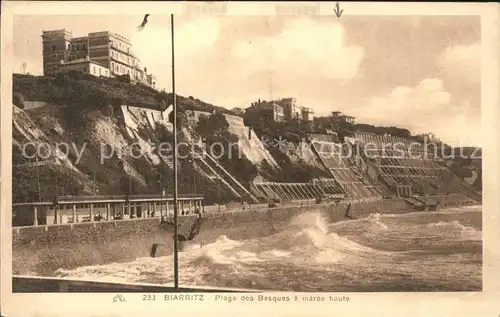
x=144, y=22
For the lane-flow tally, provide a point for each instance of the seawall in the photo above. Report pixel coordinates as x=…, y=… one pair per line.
x=41, y=250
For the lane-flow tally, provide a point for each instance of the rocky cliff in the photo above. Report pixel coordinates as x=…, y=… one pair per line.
x=77, y=134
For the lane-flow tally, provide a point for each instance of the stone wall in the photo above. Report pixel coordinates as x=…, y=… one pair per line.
x=43, y=249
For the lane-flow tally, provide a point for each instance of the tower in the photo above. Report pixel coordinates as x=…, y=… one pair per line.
x=23, y=68
x=56, y=48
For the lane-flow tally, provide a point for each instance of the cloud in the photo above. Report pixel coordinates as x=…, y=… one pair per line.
x=153, y=44
x=461, y=63
x=303, y=47
x=426, y=107
x=404, y=102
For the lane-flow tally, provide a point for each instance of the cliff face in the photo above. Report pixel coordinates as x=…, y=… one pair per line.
x=129, y=151
x=112, y=155
x=99, y=136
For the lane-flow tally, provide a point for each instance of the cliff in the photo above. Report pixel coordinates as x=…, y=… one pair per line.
x=101, y=135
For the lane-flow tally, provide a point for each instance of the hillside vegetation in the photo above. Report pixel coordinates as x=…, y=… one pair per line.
x=85, y=110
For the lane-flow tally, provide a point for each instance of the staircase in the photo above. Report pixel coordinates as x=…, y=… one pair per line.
x=216, y=172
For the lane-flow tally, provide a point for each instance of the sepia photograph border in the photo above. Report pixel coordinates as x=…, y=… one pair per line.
x=483, y=303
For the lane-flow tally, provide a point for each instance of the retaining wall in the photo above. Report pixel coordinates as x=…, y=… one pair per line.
x=41, y=250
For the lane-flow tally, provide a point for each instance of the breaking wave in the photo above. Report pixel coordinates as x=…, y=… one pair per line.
x=457, y=230
x=308, y=243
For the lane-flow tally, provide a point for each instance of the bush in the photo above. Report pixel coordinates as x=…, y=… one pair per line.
x=108, y=110
x=61, y=79
x=215, y=124
x=18, y=100
x=124, y=78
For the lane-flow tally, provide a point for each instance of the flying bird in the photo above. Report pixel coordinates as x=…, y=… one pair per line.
x=144, y=22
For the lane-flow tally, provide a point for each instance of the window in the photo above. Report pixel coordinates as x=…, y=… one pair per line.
x=78, y=47
x=53, y=47
x=93, y=70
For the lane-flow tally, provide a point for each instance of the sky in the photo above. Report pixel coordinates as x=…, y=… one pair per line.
x=417, y=72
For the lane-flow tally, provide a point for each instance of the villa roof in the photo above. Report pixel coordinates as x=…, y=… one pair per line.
x=83, y=60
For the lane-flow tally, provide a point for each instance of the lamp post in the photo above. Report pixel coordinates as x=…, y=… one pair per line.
x=218, y=193
x=38, y=179
x=193, y=176
x=160, y=181
x=174, y=110
x=93, y=183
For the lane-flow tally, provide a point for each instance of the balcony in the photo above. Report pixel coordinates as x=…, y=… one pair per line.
x=117, y=48
x=307, y=110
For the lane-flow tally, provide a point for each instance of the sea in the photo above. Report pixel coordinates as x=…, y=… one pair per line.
x=418, y=251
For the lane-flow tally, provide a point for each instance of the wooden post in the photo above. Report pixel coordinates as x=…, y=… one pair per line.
x=166, y=209
x=154, y=208
x=35, y=216
x=74, y=214
x=129, y=210
x=108, y=212
x=91, y=212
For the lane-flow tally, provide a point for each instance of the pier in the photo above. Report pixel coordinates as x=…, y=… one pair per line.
x=74, y=209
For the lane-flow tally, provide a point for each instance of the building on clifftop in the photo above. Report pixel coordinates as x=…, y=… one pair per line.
x=105, y=48
x=285, y=109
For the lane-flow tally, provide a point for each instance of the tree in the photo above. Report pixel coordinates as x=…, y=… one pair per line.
x=181, y=119
x=18, y=100
x=163, y=105
x=213, y=124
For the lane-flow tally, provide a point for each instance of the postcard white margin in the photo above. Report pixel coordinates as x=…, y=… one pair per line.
x=483, y=303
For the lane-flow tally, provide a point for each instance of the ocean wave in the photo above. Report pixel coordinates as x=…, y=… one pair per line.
x=307, y=243
x=375, y=219
x=455, y=228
